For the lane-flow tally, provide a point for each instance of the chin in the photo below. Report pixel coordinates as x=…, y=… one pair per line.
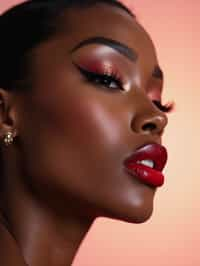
x=136, y=215
x=141, y=218
x=137, y=212
x=137, y=219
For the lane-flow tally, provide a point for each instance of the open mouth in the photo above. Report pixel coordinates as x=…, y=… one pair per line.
x=147, y=163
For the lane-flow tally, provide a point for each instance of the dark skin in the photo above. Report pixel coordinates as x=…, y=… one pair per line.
x=66, y=169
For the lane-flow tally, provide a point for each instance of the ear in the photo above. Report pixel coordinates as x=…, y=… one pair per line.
x=8, y=114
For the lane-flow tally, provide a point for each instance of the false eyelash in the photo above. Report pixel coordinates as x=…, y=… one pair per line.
x=114, y=76
x=166, y=108
x=111, y=76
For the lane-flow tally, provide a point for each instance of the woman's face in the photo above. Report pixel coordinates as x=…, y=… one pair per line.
x=76, y=131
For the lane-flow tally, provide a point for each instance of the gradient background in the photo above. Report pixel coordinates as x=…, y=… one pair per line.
x=172, y=235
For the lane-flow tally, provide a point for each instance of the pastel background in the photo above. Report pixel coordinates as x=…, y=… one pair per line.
x=172, y=235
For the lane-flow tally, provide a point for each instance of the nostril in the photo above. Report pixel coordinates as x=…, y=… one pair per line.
x=149, y=127
x=151, y=123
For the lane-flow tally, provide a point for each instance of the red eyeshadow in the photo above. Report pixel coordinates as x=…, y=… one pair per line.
x=95, y=65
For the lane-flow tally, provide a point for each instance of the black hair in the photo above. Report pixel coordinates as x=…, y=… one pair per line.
x=23, y=27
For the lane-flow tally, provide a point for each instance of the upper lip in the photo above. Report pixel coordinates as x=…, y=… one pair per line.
x=155, y=152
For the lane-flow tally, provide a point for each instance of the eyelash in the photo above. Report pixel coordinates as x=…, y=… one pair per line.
x=98, y=78
x=114, y=77
x=166, y=108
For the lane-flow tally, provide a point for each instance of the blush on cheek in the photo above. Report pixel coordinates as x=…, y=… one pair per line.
x=94, y=121
x=106, y=124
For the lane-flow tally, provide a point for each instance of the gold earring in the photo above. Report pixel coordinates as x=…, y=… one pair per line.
x=8, y=139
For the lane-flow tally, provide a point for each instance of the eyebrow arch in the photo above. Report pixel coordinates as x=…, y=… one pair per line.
x=158, y=73
x=118, y=46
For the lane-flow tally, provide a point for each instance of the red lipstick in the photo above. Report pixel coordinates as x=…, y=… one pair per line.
x=147, y=163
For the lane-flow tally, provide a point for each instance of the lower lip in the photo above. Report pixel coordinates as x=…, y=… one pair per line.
x=146, y=174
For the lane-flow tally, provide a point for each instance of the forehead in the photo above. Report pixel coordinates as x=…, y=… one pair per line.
x=109, y=21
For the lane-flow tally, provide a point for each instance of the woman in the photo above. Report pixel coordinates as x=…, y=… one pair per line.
x=81, y=123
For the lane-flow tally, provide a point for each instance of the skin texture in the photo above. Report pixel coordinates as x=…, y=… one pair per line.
x=65, y=167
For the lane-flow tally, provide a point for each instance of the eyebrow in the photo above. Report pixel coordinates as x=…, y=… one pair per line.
x=118, y=46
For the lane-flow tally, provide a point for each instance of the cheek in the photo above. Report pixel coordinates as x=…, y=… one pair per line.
x=74, y=139
x=73, y=143
x=92, y=131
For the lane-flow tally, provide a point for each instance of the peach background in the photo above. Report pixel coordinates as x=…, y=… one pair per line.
x=172, y=235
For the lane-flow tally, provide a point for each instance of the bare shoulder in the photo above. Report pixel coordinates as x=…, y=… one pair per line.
x=9, y=252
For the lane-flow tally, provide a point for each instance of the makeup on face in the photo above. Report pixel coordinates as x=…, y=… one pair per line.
x=104, y=72
x=110, y=76
x=116, y=45
x=147, y=163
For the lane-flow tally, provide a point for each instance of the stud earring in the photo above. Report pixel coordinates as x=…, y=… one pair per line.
x=8, y=139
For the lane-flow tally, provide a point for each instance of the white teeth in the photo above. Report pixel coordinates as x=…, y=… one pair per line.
x=148, y=163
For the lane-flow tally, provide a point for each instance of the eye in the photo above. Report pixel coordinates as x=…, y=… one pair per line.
x=166, y=108
x=111, y=80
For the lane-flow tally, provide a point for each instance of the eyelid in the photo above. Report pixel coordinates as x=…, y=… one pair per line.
x=166, y=108
x=110, y=74
x=128, y=81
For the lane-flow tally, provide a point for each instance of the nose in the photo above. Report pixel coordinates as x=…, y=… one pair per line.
x=150, y=121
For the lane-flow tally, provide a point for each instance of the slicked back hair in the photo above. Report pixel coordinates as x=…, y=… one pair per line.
x=23, y=27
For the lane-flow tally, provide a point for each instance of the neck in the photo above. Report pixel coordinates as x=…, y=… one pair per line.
x=44, y=238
